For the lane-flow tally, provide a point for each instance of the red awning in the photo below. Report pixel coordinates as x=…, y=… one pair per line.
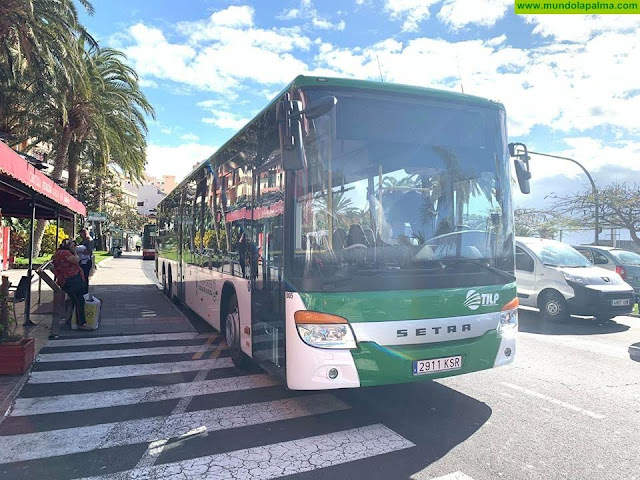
x=26, y=175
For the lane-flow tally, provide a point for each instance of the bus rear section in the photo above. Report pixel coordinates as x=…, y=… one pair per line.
x=148, y=242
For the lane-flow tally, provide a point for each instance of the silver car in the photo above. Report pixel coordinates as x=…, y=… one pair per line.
x=623, y=262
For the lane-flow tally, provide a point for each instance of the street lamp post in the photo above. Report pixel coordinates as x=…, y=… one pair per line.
x=593, y=186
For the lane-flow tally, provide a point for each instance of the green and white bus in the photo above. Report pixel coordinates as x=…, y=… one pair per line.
x=353, y=233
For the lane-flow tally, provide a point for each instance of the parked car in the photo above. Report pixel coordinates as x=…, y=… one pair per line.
x=623, y=262
x=557, y=279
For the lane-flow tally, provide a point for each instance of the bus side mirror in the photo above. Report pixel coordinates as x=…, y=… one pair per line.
x=290, y=132
x=521, y=163
x=523, y=176
x=289, y=117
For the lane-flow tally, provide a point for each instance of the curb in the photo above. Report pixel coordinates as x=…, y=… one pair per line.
x=7, y=403
x=103, y=261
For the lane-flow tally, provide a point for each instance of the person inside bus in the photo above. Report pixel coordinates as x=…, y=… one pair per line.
x=86, y=254
x=69, y=276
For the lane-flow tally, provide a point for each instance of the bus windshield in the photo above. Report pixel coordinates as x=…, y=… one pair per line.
x=402, y=192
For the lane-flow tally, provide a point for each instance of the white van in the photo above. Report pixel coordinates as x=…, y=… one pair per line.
x=557, y=279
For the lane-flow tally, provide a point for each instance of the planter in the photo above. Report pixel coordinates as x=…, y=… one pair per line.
x=16, y=357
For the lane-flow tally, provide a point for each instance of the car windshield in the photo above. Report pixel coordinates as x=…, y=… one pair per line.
x=403, y=187
x=556, y=254
x=625, y=257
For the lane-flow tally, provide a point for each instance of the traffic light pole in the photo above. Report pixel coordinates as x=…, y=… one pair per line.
x=593, y=187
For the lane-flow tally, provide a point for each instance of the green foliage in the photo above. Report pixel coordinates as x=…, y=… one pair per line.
x=49, y=245
x=618, y=207
x=19, y=244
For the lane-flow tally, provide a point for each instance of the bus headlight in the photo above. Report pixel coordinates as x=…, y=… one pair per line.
x=324, y=330
x=509, y=318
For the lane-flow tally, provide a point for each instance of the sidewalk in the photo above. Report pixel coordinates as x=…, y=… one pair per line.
x=132, y=303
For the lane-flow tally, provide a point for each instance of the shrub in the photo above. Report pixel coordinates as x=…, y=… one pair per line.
x=49, y=239
x=18, y=244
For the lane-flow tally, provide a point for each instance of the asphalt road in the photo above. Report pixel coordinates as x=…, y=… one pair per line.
x=172, y=406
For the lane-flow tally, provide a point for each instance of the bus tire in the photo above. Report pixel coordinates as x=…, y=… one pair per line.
x=232, y=333
x=164, y=280
x=553, y=306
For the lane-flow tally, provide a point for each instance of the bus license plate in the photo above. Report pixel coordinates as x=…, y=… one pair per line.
x=620, y=302
x=435, y=365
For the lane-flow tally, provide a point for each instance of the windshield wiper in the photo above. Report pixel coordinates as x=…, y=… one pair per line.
x=479, y=263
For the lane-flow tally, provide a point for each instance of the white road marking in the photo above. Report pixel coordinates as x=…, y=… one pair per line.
x=159, y=337
x=278, y=459
x=555, y=401
x=102, y=354
x=150, y=456
x=130, y=396
x=29, y=446
x=101, y=373
x=454, y=476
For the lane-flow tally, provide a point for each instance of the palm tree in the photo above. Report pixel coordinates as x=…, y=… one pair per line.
x=37, y=52
x=100, y=120
x=108, y=109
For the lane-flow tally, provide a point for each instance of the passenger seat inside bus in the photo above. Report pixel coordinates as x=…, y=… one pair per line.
x=371, y=239
x=356, y=236
x=339, y=239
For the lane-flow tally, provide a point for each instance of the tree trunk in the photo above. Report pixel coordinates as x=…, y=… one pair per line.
x=58, y=166
x=62, y=152
x=72, y=184
x=37, y=237
x=99, y=240
x=634, y=236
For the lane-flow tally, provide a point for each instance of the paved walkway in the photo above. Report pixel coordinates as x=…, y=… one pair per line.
x=132, y=303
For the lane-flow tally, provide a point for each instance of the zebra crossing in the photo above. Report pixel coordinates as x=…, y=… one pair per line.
x=174, y=406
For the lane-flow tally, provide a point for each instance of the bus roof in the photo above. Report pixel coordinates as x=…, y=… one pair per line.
x=328, y=82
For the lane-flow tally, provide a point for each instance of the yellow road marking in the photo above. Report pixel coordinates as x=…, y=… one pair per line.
x=205, y=347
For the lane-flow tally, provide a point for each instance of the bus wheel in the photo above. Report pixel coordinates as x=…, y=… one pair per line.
x=553, y=306
x=232, y=333
x=164, y=281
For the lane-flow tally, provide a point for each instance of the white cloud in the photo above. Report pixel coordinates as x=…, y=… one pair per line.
x=166, y=131
x=218, y=54
x=412, y=12
x=460, y=13
x=189, y=137
x=148, y=83
x=290, y=14
x=307, y=11
x=228, y=120
x=233, y=17
x=565, y=87
x=176, y=160
x=580, y=28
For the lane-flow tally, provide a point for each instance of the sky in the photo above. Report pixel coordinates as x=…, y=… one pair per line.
x=569, y=82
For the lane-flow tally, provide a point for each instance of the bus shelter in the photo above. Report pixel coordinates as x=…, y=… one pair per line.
x=25, y=192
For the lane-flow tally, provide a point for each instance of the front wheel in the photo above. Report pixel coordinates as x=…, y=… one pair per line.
x=232, y=334
x=553, y=306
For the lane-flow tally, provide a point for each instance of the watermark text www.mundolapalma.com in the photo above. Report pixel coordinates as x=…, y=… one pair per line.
x=576, y=7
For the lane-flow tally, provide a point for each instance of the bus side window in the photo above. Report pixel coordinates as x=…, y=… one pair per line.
x=524, y=262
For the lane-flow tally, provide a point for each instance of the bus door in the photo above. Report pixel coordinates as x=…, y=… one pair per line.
x=267, y=241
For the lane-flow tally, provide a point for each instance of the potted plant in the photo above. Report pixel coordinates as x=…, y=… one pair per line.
x=16, y=353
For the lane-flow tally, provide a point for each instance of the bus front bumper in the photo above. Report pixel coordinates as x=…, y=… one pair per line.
x=380, y=365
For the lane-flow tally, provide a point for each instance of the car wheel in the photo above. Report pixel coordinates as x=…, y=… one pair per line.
x=553, y=306
x=232, y=333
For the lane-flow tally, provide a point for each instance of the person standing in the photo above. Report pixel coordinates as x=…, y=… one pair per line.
x=86, y=255
x=66, y=267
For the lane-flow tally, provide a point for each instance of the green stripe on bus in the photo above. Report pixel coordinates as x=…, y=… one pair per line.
x=384, y=306
x=378, y=365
